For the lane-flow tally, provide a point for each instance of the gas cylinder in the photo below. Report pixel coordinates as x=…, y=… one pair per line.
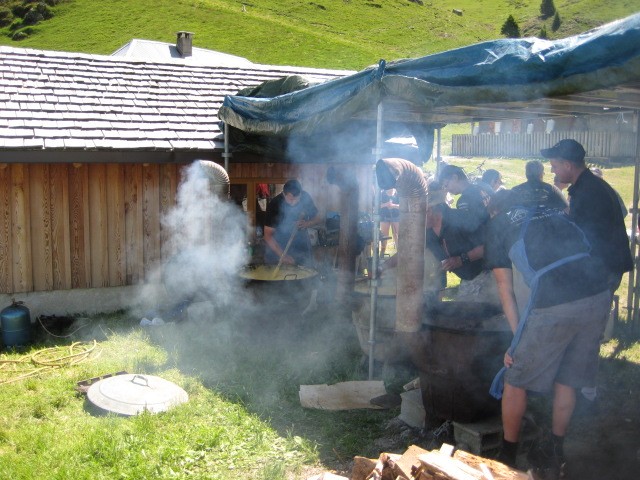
x=15, y=322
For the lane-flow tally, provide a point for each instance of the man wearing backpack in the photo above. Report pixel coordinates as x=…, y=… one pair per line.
x=557, y=333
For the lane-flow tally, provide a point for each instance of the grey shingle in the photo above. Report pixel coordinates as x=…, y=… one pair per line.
x=82, y=133
x=54, y=143
x=162, y=145
x=13, y=142
x=76, y=143
x=16, y=132
x=50, y=133
x=33, y=143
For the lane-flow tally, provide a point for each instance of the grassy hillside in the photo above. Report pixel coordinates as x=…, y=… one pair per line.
x=320, y=33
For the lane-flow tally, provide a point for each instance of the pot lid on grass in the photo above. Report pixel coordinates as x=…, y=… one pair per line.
x=132, y=394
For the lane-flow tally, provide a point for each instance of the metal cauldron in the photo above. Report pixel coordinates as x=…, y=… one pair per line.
x=133, y=394
x=291, y=284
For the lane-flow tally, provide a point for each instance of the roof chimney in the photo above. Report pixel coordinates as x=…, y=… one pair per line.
x=184, y=43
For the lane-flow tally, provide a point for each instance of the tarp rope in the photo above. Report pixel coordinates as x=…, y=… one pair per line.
x=40, y=361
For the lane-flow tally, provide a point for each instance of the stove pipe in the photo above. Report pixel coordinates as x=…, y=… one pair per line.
x=218, y=178
x=409, y=181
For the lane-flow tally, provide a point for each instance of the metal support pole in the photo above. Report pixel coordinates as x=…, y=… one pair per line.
x=633, y=293
x=438, y=151
x=376, y=248
x=226, y=154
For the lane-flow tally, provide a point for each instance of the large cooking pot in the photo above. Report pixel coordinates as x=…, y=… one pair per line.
x=458, y=351
x=291, y=284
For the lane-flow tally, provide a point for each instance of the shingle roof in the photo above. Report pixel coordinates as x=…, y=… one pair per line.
x=73, y=101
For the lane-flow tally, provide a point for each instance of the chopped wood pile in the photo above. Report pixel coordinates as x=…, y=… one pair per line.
x=419, y=464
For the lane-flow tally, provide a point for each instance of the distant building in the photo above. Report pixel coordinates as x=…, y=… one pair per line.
x=604, y=136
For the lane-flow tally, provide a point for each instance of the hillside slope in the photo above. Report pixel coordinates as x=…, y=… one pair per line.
x=319, y=33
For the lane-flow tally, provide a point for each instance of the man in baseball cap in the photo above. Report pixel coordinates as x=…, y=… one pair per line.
x=567, y=149
x=594, y=207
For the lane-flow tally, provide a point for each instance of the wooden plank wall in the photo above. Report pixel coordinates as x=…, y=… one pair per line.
x=65, y=226
x=597, y=144
x=68, y=226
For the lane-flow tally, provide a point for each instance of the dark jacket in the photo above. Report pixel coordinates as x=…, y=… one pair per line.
x=537, y=192
x=595, y=208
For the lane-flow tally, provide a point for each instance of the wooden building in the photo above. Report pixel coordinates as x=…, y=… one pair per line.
x=91, y=153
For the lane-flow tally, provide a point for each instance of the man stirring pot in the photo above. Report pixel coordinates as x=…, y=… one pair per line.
x=288, y=216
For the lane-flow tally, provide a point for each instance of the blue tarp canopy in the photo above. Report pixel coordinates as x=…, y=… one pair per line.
x=507, y=78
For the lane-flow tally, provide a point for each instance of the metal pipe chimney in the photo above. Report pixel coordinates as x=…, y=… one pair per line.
x=409, y=181
x=184, y=43
x=218, y=177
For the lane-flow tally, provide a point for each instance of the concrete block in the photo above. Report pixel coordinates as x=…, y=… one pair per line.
x=89, y=300
x=411, y=409
x=479, y=437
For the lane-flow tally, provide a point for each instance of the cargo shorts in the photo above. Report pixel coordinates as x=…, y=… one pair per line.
x=560, y=344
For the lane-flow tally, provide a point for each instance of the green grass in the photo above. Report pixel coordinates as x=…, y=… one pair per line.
x=243, y=416
x=325, y=33
x=45, y=427
x=242, y=372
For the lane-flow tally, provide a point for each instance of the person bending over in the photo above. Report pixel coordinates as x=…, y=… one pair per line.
x=557, y=334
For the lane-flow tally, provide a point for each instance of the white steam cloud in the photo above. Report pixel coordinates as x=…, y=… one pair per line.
x=209, y=237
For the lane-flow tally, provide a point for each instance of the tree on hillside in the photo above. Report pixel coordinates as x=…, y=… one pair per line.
x=547, y=8
x=510, y=28
x=543, y=32
x=556, y=22
x=5, y=17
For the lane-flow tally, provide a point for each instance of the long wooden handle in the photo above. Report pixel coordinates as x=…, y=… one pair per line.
x=286, y=249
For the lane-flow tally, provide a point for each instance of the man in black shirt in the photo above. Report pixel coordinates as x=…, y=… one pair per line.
x=450, y=245
x=556, y=336
x=470, y=214
x=534, y=190
x=595, y=208
x=493, y=179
